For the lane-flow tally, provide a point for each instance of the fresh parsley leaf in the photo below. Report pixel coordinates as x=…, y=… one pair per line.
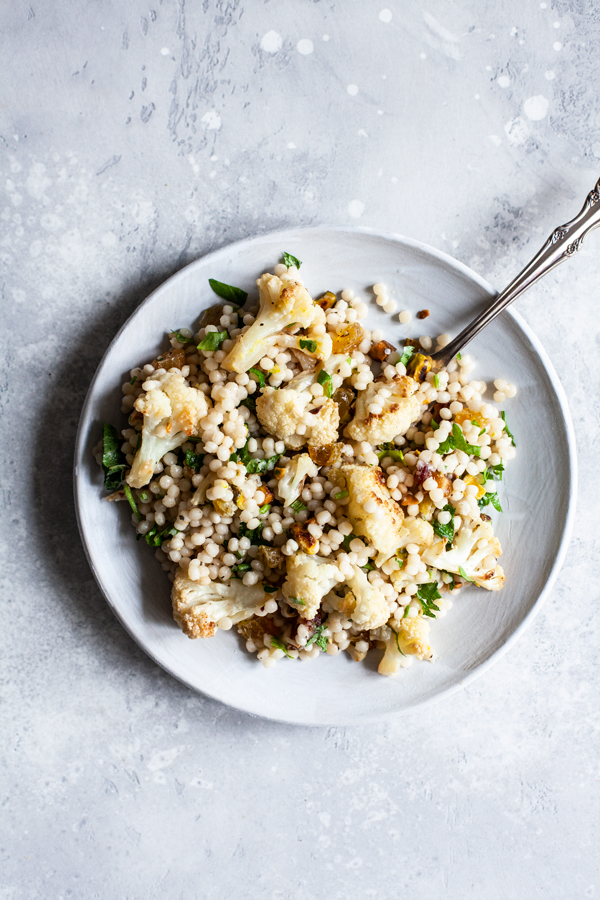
x=264, y=509
x=497, y=470
x=405, y=611
x=233, y=295
x=179, y=337
x=311, y=346
x=461, y=443
x=155, y=537
x=446, y=531
x=113, y=460
x=258, y=376
x=489, y=498
x=464, y=575
x=279, y=645
x=436, y=381
x=213, y=340
x=434, y=425
x=144, y=496
x=289, y=260
x=324, y=378
x=506, y=428
x=269, y=588
x=318, y=638
x=341, y=495
x=346, y=542
x=400, y=560
x=260, y=466
x=133, y=380
x=254, y=535
x=249, y=403
x=427, y=595
x=297, y=601
x=298, y=506
x=400, y=650
x=459, y=355
x=240, y=569
x=368, y=567
x=390, y=449
x=407, y=352
x=131, y=501
x=452, y=582
x=194, y=460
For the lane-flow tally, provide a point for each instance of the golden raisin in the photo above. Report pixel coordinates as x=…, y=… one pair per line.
x=211, y=316
x=349, y=338
x=326, y=455
x=344, y=397
x=174, y=359
x=467, y=414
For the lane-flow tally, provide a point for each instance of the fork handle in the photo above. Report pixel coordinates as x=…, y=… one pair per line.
x=562, y=244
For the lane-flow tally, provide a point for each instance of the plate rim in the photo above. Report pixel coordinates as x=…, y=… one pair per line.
x=559, y=391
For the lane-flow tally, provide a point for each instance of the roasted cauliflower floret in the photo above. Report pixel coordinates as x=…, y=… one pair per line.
x=280, y=412
x=283, y=302
x=382, y=526
x=478, y=563
x=408, y=637
x=309, y=578
x=363, y=604
x=198, y=607
x=399, y=411
x=171, y=413
x=292, y=477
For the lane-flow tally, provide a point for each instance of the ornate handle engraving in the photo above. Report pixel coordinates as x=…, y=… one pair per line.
x=562, y=244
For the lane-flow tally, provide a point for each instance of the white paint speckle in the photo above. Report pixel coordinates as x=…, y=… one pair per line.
x=517, y=131
x=549, y=75
x=422, y=56
x=478, y=96
x=362, y=132
x=165, y=51
x=271, y=42
x=556, y=24
x=386, y=15
x=356, y=208
x=557, y=46
x=496, y=141
x=291, y=146
x=352, y=90
x=305, y=47
x=325, y=37
x=596, y=150
x=535, y=108
x=211, y=120
x=503, y=81
x=379, y=112
x=488, y=68
x=543, y=5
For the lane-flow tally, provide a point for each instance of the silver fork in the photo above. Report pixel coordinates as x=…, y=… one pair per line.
x=562, y=244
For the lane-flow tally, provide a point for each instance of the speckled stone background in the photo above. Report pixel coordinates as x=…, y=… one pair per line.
x=134, y=139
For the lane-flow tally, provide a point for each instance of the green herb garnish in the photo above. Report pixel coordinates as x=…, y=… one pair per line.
x=250, y=403
x=400, y=650
x=298, y=506
x=258, y=376
x=491, y=497
x=260, y=466
x=341, y=495
x=279, y=645
x=459, y=355
x=269, y=589
x=497, y=470
x=368, y=567
x=131, y=501
x=289, y=260
x=324, y=378
x=194, y=460
x=113, y=460
x=297, y=601
x=434, y=425
x=457, y=441
x=264, y=509
x=436, y=381
x=318, y=638
x=446, y=531
x=179, y=337
x=144, y=496
x=452, y=582
x=464, y=575
x=240, y=569
x=390, y=449
x=427, y=595
x=407, y=352
x=133, y=380
x=156, y=536
x=213, y=340
x=311, y=346
x=506, y=428
x=232, y=294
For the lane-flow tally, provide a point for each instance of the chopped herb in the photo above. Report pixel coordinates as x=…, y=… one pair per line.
x=390, y=449
x=113, y=460
x=324, y=378
x=400, y=650
x=400, y=560
x=133, y=380
x=269, y=588
x=311, y=346
x=254, y=535
x=144, y=496
x=407, y=352
x=434, y=425
x=436, y=381
x=405, y=611
x=459, y=355
x=233, y=295
x=297, y=601
x=289, y=260
x=488, y=498
x=368, y=567
x=258, y=376
x=264, y=509
x=318, y=638
x=341, y=495
x=279, y=645
x=497, y=470
x=506, y=428
x=194, y=460
x=427, y=595
x=213, y=340
x=179, y=337
x=260, y=466
x=132, y=503
x=156, y=536
x=482, y=431
x=298, y=506
x=346, y=542
x=240, y=569
x=452, y=582
x=249, y=403
x=446, y=531
x=457, y=441
x=464, y=575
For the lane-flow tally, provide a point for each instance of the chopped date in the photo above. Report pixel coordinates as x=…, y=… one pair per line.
x=423, y=314
x=381, y=350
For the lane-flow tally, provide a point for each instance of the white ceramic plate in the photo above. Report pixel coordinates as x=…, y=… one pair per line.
x=538, y=493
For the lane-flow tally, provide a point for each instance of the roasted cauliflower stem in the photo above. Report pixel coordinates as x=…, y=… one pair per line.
x=372, y=511
x=408, y=637
x=283, y=302
x=197, y=608
x=309, y=578
x=475, y=551
x=172, y=410
x=292, y=476
x=399, y=410
x=363, y=603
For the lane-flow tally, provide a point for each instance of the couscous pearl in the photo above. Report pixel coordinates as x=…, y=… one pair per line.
x=405, y=317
